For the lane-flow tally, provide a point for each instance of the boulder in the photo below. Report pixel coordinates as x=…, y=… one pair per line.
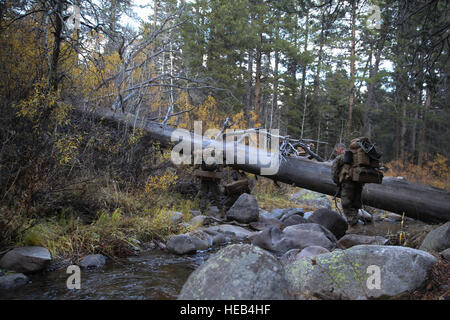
x=12, y=281
x=237, y=272
x=331, y=220
x=293, y=220
x=446, y=254
x=213, y=212
x=236, y=233
x=200, y=221
x=282, y=214
x=174, y=217
x=244, y=210
x=26, y=259
x=311, y=199
x=365, y=216
x=189, y=243
x=264, y=223
x=195, y=213
x=438, y=239
x=93, y=261
x=351, y=240
x=308, y=214
x=295, y=254
x=352, y=274
x=294, y=237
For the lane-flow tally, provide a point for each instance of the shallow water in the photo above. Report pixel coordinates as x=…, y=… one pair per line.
x=154, y=275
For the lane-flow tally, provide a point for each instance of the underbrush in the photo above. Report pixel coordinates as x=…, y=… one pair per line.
x=107, y=192
x=270, y=196
x=435, y=172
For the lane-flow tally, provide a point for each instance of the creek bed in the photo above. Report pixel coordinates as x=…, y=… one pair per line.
x=154, y=275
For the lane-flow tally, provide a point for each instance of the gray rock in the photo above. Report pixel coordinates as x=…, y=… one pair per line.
x=237, y=272
x=244, y=210
x=195, y=213
x=331, y=220
x=349, y=275
x=234, y=232
x=12, y=281
x=219, y=239
x=26, y=259
x=174, y=217
x=296, y=254
x=274, y=214
x=351, y=240
x=365, y=216
x=93, y=261
x=392, y=216
x=189, y=243
x=294, y=237
x=293, y=211
x=307, y=215
x=312, y=251
x=446, y=254
x=293, y=220
x=311, y=199
x=213, y=212
x=200, y=221
x=438, y=239
x=264, y=223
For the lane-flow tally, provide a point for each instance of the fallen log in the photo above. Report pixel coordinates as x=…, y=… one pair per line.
x=419, y=202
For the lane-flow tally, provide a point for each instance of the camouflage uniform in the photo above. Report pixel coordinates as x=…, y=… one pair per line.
x=350, y=191
x=209, y=186
x=235, y=189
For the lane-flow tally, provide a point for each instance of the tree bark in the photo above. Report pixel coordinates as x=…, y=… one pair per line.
x=352, y=67
x=58, y=28
x=396, y=195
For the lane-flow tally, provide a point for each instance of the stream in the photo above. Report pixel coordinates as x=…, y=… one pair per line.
x=153, y=275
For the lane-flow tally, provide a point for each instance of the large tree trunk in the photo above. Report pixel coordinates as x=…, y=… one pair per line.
x=54, y=60
x=258, y=78
x=352, y=68
x=395, y=195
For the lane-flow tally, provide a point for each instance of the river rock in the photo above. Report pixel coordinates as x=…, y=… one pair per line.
x=237, y=272
x=200, y=221
x=308, y=214
x=331, y=220
x=93, y=261
x=189, y=243
x=264, y=223
x=365, y=216
x=446, y=254
x=311, y=199
x=351, y=240
x=12, y=281
x=213, y=211
x=294, y=237
x=236, y=233
x=295, y=254
x=349, y=274
x=174, y=217
x=26, y=259
x=195, y=213
x=293, y=220
x=244, y=210
x=438, y=239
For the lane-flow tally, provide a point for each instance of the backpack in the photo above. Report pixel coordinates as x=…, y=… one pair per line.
x=366, y=162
